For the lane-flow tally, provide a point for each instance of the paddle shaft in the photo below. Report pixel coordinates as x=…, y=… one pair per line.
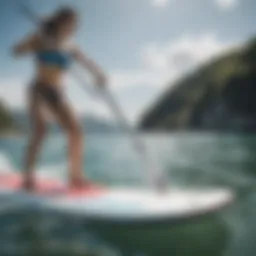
x=138, y=143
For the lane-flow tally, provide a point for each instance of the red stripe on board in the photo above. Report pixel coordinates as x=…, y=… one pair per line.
x=51, y=187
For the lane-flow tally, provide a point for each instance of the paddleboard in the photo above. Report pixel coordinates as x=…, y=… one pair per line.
x=120, y=206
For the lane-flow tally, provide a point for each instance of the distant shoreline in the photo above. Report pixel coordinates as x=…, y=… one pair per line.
x=10, y=134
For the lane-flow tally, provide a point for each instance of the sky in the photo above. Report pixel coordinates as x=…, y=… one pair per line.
x=143, y=45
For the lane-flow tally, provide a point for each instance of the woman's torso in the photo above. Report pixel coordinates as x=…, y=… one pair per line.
x=52, y=60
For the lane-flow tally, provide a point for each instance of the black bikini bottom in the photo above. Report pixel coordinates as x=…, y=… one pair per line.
x=50, y=94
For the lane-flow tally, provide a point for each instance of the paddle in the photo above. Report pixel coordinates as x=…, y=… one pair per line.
x=155, y=178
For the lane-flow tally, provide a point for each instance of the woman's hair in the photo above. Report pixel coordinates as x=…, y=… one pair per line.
x=51, y=25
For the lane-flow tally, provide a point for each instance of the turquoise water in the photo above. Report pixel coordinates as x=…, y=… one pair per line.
x=190, y=160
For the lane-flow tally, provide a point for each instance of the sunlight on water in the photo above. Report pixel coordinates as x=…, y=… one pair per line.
x=5, y=163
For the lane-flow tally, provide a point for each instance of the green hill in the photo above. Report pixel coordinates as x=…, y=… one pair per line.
x=6, y=121
x=220, y=96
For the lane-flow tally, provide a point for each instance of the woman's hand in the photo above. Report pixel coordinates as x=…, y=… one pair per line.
x=92, y=66
x=101, y=80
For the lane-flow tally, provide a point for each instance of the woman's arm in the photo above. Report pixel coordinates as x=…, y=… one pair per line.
x=90, y=65
x=26, y=46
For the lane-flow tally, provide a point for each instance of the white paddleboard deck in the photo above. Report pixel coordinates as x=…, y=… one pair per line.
x=117, y=206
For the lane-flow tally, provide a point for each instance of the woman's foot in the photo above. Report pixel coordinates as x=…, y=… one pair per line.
x=29, y=184
x=79, y=183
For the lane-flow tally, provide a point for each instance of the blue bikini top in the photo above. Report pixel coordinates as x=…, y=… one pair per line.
x=59, y=58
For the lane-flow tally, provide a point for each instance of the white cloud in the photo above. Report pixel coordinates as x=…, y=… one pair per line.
x=13, y=92
x=129, y=78
x=160, y=3
x=183, y=54
x=166, y=62
x=227, y=4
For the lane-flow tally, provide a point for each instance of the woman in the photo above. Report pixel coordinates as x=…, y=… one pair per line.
x=53, y=58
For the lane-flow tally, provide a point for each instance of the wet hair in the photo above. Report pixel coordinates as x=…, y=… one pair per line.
x=51, y=25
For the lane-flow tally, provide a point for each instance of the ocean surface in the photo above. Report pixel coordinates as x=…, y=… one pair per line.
x=189, y=160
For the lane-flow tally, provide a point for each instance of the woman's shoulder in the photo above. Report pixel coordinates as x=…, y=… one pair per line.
x=40, y=40
x=71, y=47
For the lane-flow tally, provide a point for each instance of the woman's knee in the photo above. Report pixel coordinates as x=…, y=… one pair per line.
x=75, y=130
x=40, y=130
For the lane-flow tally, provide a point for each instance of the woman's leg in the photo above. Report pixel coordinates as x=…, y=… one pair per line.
x=68, y=120
x=38, y=124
